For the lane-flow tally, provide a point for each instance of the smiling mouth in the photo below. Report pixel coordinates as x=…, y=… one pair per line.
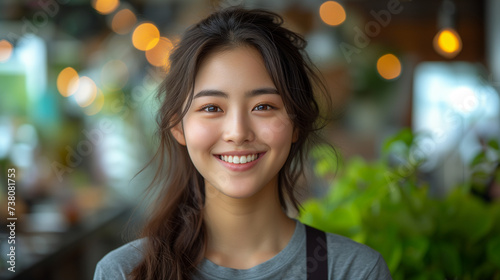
x=239, y=159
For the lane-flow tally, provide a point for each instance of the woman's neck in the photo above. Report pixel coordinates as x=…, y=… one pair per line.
x=243, y=232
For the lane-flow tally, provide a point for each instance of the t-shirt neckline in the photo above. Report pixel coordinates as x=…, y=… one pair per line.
x=209, y=268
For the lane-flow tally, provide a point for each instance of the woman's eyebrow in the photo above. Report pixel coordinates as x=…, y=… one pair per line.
x=261, y=91
x=211, y=92
x=219, y=93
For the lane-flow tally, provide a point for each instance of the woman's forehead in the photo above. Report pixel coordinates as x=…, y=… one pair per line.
x=240, y=68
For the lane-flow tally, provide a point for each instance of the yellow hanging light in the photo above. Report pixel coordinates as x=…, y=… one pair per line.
x=447, y=42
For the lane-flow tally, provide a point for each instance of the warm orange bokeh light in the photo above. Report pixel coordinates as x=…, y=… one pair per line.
x=145, y=36
x=389, y=66
x=123, y=21
x=96, y=106
x=447, y=42
x=67, y=81
x=158, y=56
x=86, y=92
x=5, y=50
x=105, y=6
x=332, y=13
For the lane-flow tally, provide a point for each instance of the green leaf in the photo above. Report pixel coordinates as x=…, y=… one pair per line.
x=405, y=136
x=479, y=158
x=389, y=245
x=451, y=259
x=493, y=250
x=389, y=209
x=312, y=212
x=415, y=249
x=345, y=218
x=323, y=167
x=494, y=144
x=395, y=257
x=473, y=221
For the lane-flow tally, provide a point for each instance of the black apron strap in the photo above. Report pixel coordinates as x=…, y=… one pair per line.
x=317, y=255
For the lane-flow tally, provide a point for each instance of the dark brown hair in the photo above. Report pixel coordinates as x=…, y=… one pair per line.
x=175, y=233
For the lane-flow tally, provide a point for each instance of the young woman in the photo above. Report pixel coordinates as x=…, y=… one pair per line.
x=238, y=113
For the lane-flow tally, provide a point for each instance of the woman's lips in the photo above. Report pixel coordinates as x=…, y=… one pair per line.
x=254, y=159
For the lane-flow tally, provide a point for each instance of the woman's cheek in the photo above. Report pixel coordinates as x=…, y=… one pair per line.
x=200, y=134
x=277, y=130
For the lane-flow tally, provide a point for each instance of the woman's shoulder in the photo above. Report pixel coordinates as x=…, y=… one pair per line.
x=118, y=263
x=353, y=260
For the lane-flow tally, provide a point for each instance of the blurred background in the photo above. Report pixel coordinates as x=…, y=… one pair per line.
x=415, y=86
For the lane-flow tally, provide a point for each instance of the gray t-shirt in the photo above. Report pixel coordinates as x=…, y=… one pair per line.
x=346, y=260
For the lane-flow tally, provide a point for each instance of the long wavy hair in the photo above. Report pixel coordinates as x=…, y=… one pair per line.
x=175, y=236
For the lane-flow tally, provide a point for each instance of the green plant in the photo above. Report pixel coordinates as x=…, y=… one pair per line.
x=387, y=207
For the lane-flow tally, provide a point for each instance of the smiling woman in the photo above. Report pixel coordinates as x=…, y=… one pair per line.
x=237, y=118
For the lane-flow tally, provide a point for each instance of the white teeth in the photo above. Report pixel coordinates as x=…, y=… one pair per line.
x=239, y=159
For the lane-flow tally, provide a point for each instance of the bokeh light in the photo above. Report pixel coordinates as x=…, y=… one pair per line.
x=86, y=92
x=96, y=106
x=389, y=66
x=5, y=50
x=105, y=6
x=447, y=43
x=463, y=99
x=158, y=56
x=145, y=36
x=332, y=13
x=123, y=21
x=114, y=74
x=67, y=81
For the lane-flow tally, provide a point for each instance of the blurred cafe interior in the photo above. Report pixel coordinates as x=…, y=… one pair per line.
x=77, y=108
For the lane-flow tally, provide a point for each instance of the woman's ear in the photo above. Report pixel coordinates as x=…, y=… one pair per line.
x=178, y=133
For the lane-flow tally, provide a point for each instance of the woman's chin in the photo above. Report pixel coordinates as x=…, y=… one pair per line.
x=240, y=188
x=235, y=191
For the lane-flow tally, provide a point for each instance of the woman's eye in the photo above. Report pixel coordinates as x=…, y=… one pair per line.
x=211, y=109
x=263, y=107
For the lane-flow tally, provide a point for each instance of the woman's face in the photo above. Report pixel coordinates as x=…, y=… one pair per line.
x=237, y=131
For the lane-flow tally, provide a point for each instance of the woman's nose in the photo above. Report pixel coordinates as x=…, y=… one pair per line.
x=238, y=128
